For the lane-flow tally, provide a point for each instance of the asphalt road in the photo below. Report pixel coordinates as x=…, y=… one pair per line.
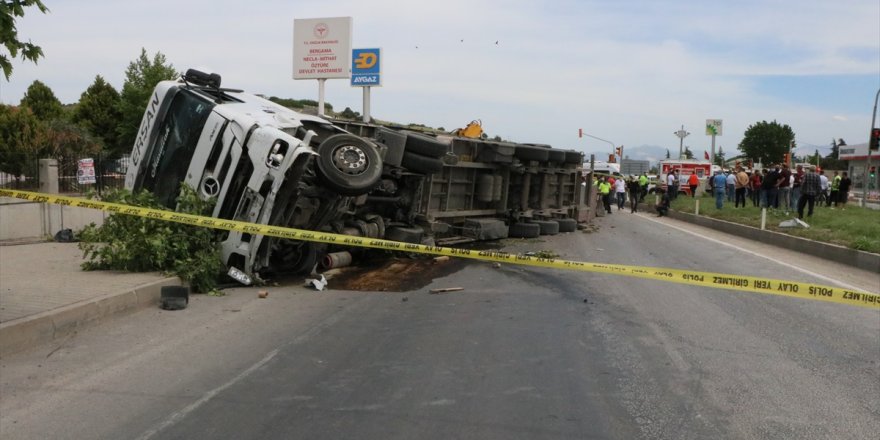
x=519, y=353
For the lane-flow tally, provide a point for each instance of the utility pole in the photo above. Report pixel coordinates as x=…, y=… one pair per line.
x=681, y=135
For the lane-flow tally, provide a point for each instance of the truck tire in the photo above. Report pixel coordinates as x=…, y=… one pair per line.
x=574, y=157
x=531, y=153
x=567, y=224
x=349, y=164
x=548, y=227
x=424, y=145
x=557, y=156
x=421, y=164
x=524, y=230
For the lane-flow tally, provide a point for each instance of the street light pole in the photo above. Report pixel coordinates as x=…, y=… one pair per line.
x=681, y=135
x=613, y=146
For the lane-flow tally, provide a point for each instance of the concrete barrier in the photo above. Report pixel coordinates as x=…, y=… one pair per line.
x=22, y=333
x=34, y=221
x=850, y=257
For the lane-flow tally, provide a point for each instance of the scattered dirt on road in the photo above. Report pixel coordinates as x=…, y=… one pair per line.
x=394, y=274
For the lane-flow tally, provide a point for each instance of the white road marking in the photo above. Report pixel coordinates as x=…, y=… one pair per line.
x=799, y=269
x=179, y=415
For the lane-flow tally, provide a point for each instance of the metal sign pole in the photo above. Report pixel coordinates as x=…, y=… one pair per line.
x=321, y=82
x=712, y=159
x=366, y=103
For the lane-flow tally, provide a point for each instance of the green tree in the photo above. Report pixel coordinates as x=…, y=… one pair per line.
x=98, y=112
x=667, y=153
x=348, y=113
x=9, y=11
x=64, y=139
x=20, y=134
x=688, y=153
x=42, y=101
x=141, y=78
x=767, y=142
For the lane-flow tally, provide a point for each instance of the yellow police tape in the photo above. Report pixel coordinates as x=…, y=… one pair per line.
x=689, y=277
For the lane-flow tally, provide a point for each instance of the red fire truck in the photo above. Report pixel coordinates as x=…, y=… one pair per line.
x=685, y=167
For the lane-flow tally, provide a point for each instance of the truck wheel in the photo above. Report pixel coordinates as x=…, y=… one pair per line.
x=548, y=227
x=557, y=156
x=421, y=164
x=532, y=153
x=289, y=256
x=524, y=230
x=574, y=157
x=567, y=224
x=348, y=164
x=425, y=145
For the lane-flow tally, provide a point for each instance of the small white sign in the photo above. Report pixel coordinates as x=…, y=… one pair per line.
x=713, y=127
x=322, y=48
x=85, y=171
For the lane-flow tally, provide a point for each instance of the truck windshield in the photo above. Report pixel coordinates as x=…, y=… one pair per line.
x=176, y=139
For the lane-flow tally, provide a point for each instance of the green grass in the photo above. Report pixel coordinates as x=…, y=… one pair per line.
x=854, y=227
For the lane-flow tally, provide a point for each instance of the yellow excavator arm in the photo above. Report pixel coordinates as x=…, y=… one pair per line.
x=473, y=130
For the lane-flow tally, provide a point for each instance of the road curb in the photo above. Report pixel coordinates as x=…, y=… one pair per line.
x=22, y=333
x=840, y=254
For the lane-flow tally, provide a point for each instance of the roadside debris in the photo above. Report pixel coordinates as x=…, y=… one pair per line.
x=496, y=265
x=318, y=283
x=174, y=297
x=441, y=259
x=65, y=236
x=446, y=290
x=336, y=260
x=262, y=293
x=794, y=223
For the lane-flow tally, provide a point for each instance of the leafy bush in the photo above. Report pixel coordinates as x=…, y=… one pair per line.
x=138, y=244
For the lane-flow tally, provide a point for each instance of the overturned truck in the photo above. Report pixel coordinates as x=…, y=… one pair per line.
x=265, y=163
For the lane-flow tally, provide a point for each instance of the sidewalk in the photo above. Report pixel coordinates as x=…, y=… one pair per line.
x=44, y=295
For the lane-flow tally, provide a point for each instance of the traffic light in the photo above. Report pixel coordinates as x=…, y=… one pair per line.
x=875, y=139
x=872, y=171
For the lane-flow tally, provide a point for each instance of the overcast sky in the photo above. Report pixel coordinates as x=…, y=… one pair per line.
x=632, y=72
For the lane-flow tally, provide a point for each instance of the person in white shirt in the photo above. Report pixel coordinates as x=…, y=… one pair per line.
x=823, y=185
x=731, y=185
x=672, y=184
x=620, y=192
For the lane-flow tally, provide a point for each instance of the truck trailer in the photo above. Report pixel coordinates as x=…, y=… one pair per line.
x=267, y=164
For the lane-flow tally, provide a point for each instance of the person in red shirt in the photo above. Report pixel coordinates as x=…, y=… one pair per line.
x=693, y=182
x=755, y=188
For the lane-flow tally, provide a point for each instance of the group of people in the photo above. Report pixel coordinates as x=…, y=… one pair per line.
x=636, y=187
x=777, y=187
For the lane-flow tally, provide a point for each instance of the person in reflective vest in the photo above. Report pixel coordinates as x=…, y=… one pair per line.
x=643, y=183
x=605, y=193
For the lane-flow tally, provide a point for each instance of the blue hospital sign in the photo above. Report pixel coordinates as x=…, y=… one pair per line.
x=366, y=67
